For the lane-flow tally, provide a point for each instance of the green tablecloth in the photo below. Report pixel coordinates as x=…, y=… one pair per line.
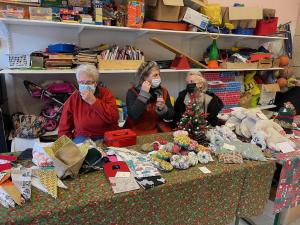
x=188, y=197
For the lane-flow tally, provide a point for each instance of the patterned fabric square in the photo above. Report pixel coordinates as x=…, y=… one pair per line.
x=48, y=179
x=231, y=157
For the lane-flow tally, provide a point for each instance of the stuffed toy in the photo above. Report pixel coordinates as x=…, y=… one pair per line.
x=204, y=157
x=193, y=158
x=259, y=139
x=273, y=132
x=180, y=162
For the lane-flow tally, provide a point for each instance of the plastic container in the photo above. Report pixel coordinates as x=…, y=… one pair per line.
x=266, y=26
x=241, y=31
x=61, y=48
x=39, y=13
x=120, y=138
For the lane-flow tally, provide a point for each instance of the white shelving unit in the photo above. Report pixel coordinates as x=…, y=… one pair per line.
x=23, y=36
x=24, y=71
x=137, y=31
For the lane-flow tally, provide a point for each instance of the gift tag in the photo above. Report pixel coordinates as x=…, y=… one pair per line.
x=229, y=147
x=285, y=147
x=204, y=169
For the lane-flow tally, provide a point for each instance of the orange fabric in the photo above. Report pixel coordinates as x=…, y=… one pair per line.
x=149, y=122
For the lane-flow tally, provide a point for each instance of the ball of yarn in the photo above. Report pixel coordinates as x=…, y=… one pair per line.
x=282, y=82
x=147, y=147
x=283, y=60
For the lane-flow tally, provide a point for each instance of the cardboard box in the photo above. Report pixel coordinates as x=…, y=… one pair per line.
x=245, y=13
x=237, y=23
x=195, y=18
x=265, y=63
x=269, y=13
x=195, y=4
x=163, y=10
x=268, y=94
x=230, y=65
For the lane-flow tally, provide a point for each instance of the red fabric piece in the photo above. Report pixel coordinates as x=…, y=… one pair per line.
x=8, y=157
x=111, y=168
x=5, y=166
x=149, y=122
x=89, y=120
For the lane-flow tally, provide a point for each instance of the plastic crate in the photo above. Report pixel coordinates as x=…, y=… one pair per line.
x=228, y=92
x=219, y=76
x=18, y=61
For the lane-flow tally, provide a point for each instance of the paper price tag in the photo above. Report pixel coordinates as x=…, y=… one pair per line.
x=204, y=169
x=229, y=147
x=122, y=174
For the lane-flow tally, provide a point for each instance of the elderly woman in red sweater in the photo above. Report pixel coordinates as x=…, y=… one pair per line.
x=89, y=112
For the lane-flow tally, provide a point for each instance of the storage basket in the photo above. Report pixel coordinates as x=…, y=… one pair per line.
x=18, y=61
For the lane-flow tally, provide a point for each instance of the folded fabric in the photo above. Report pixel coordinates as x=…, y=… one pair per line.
x=67, y=157
x=5, y=199
x=150, y=182
x=247, y=150
x=40, y=157
x=21, y=177
x=13, y=192
x=231, y=157
x=48, y=180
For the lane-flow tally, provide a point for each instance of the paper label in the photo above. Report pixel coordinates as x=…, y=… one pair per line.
x=122, y=174
x=204, y=169
x=229, y=147
x=285, y=147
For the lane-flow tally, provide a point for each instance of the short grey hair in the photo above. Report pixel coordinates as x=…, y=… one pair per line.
x=88, y=69
x=144, y=71
x=200, y=78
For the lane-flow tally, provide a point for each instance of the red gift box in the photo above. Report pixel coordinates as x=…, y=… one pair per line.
x=120, y=138
x=266, y=26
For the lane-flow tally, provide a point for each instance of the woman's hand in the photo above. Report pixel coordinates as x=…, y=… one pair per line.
x=160, y=103
x=88, y=97
x=146, y=86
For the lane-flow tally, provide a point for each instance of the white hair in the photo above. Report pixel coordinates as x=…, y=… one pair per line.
x=200, y=78
x=91, y=70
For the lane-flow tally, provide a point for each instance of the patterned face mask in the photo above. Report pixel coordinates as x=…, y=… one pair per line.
x=84, y=87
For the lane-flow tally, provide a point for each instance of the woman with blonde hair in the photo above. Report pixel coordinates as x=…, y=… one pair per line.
x=149, y=105
x=197, y=85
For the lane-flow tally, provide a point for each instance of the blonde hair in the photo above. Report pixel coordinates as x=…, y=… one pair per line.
x=88, y=69
x=144, y=71
x=199, y=78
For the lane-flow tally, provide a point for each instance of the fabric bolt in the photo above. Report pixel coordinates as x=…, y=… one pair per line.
x=48, y=179
x=231, y=157
x=188, y=197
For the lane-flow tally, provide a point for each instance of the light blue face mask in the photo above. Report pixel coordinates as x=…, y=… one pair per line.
x=84, y=87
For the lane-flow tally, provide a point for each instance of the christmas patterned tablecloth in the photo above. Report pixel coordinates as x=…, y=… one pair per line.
x=188, y=197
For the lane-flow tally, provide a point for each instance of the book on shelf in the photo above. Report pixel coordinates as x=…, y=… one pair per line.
x=60, y=56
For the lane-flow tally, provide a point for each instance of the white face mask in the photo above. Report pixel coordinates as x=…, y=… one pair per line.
x=155, y=82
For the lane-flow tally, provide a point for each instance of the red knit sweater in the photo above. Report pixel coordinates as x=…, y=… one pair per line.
x=81, y=119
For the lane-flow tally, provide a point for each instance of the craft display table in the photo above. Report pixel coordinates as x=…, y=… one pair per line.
x=188, y=197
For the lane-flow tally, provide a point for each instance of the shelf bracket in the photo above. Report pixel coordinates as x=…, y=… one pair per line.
x=6, y=33
x=79, y=31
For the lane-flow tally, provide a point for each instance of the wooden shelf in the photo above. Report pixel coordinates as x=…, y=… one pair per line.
x=28, y=71
x=137, y=31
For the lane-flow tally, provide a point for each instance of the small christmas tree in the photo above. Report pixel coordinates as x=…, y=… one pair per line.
x=194, y=120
